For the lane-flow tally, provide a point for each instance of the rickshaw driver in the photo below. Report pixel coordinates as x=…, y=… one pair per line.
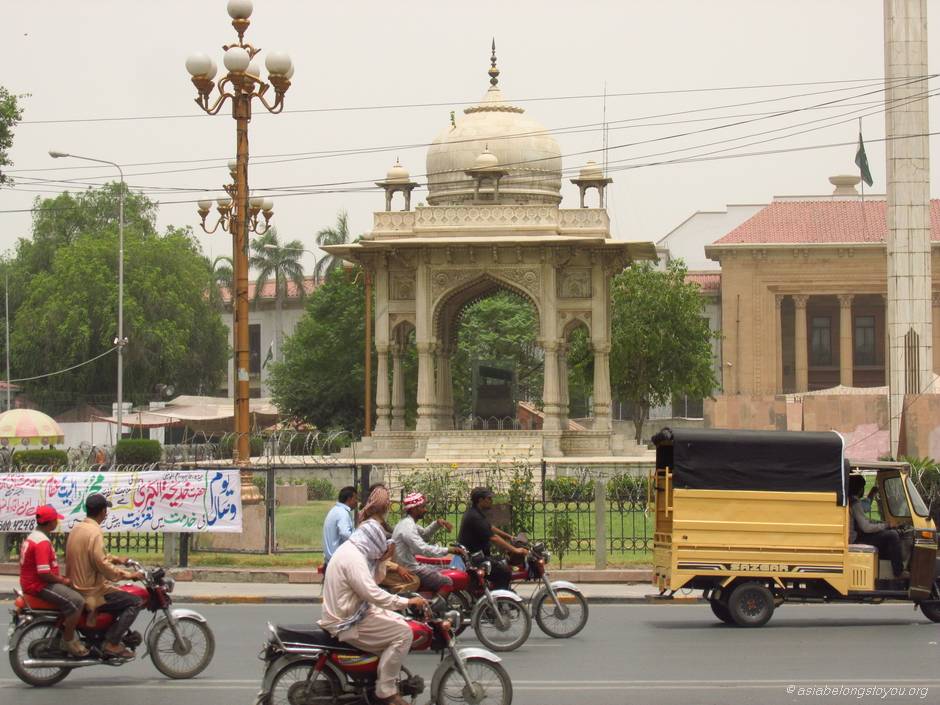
x=874, y=533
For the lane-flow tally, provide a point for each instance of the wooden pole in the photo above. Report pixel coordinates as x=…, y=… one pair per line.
x=241, y=111
x=368, y=353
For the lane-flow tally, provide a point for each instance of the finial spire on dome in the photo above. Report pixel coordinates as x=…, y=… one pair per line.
x=493, y=72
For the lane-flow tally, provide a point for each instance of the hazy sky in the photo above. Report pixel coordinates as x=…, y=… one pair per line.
x=113, y=59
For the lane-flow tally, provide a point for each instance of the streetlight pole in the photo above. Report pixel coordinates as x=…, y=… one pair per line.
x=6, y=317
x=120, y=341
x=241, y=84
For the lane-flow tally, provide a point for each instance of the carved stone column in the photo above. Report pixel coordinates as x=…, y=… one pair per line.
x=778, y=332
x=602, y=386
x=801, y=351
x=445, y=390
x=550, y=393
x=382, y=400
x=563, y=399
x=845, y=340
x=426, y=390
x=398, y=390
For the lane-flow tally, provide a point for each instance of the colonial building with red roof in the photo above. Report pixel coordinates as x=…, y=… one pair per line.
x=803, y=285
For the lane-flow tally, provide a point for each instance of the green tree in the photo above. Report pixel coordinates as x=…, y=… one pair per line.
x=500, y=328
x=335, y=235
x=282, y=263
x=68, y=313
x=661, y=342
x=10, y=114
x=221, y=276
x=321, y=375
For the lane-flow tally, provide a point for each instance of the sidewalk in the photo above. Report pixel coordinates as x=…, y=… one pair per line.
x=307, y=593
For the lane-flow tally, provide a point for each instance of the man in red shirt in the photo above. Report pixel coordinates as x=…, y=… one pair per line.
x=39, y=576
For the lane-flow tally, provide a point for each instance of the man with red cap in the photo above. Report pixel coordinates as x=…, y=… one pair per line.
x=411, y=539
x=39, y=576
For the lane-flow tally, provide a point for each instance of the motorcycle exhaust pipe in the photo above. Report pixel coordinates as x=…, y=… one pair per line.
x=60, y=663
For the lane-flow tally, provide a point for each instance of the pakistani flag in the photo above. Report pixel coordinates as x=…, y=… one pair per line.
x=269, y=356
x=861, y=161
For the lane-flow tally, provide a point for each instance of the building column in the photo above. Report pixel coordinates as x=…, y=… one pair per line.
x=801, y=352
x=382, y=400
x=563, y=399
x=398, y=390
x=445, y=390
x=426, y=407
x=778, y=334
x=846, y=358
x=602, y=386
x=550, y=392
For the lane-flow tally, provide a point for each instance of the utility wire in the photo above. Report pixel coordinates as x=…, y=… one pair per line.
x=67, y=369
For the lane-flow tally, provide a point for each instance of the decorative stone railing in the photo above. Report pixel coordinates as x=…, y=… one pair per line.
x=490, y=218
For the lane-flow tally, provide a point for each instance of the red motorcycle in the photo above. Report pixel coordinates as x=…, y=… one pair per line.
x=179, y=641
x=499, y=618
x=305, y=665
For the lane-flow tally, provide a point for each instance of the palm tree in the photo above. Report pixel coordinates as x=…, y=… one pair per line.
x=337, y=235
x=282, y=262
x=221, y=277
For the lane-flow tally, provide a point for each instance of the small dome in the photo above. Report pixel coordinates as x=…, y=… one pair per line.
x=486, y=160
x=398, y=174
x=591, y=171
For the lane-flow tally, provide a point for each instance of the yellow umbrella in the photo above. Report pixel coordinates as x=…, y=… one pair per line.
x=26, y=427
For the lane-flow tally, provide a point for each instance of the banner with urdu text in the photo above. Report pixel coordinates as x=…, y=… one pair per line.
x=153, y=500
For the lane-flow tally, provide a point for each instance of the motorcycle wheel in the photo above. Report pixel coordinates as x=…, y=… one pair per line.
x=289, y=686
x=491, y=678
x=508, y=638
x=184, y=658
x=460, y=602
x=556, y=626
x=24, y=645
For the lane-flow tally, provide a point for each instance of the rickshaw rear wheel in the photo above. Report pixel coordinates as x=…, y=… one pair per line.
x=720, y=610
x=751, y=605
x=932, y=611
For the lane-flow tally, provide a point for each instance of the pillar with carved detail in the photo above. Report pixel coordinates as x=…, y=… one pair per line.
x=382, y=399
x=602, y=386
x=845, y=340
x=778, y=345
x=398, y=390
x=801, y=351
x=426, y=387
x=563, y=399
x=445, y=390
x=550, y=391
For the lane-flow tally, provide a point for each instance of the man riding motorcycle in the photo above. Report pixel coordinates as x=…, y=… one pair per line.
x=357, y=611
x=477, y=533
x=411, y=539
x=91, y=570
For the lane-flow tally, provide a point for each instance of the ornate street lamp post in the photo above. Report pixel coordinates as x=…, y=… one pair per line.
x=241, y=84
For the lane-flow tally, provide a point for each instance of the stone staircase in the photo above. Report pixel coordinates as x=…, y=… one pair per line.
x=452, y=446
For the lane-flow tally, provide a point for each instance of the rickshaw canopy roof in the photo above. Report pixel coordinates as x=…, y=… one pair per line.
x=777, y=461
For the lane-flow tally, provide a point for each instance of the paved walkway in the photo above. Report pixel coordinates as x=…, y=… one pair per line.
x=254, y=593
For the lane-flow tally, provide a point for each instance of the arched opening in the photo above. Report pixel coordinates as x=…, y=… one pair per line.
x=403, y=372
x=489, y=358
x=577, y=371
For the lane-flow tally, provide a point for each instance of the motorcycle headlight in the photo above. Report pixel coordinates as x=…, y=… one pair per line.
x=169, y=584
x=453, y=616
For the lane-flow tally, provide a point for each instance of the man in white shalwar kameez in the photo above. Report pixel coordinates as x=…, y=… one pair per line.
x=357, y=611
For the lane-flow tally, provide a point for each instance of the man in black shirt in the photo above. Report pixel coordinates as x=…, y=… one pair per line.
x=477, y=533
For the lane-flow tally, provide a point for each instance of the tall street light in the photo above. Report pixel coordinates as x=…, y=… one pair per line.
x=120, y=341
x=240, y=84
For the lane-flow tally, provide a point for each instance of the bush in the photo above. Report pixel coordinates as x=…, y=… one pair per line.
x=439, y=487
x=259, y=481
x=138, y=451
x=46, y=457
x=255, y=443
x=628, y=489
x=320, y=488
x=521, y=488
x=561, y=532
x=569, y=489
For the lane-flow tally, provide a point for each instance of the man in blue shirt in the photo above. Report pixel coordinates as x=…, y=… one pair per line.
x=339, y=523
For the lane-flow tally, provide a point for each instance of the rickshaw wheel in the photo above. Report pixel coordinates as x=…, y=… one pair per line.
x=751, y=605
x=932, y=611
x=720, y=610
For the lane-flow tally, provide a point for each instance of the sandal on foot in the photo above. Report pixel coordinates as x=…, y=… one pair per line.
x=75, y=648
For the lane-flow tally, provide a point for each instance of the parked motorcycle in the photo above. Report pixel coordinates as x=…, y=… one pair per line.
x=558, y=606
x=305, y=665
x=499, y=618
x=179, y=641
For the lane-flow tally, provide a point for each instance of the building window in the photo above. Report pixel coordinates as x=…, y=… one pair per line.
x=254, y=348
x=864, y=340
x=821, y=341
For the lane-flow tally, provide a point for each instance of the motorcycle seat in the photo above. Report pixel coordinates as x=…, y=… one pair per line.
x=309, y=635
x=35, y=603
x=434, y=560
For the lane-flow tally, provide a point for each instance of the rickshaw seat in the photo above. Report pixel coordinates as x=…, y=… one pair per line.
x=862, y=548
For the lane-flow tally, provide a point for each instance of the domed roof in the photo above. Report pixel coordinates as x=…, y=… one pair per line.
x=591, y=170
x=397, y=174
x=521, y=146
x=486, y=160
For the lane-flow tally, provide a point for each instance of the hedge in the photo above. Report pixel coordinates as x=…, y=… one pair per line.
x=47, y=457
x=256, y=443
x=138, y=451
